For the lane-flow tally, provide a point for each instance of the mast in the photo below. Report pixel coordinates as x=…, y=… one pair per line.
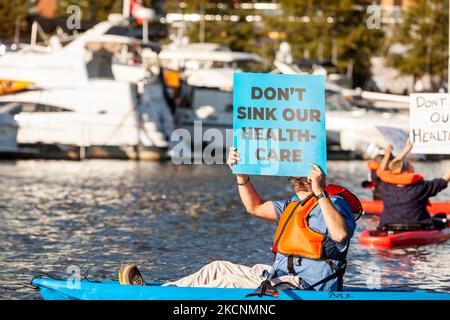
x=126, y=9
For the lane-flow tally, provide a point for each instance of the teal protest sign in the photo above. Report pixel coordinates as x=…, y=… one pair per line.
x=279, y=123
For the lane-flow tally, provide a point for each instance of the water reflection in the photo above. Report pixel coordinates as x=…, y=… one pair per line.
x=169, y=219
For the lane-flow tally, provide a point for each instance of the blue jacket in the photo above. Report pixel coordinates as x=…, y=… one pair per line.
x=408, y=204
x=312, y=271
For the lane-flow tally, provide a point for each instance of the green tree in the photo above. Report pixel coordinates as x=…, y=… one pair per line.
x=97, y=10
x=12, y=13
x=319, y=29
x=15, y=12
x=424, y=33
x=239, y=35
x=330, y=30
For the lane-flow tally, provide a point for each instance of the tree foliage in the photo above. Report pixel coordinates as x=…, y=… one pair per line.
x=322, y=29
x=12, y=12
x=424, y=33
x=238, y=35
x=314, y=29
x=97, y=10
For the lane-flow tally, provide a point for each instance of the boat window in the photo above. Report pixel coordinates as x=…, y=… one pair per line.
x=218, y=65
x=248, y=66
x=17, y=107
x=9, y=107
x=336, y=102
x=186, y=97
x=99, y=65
x=37, y=107
x=206, y=64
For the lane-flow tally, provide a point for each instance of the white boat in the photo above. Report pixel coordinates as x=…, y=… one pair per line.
x=195, y=56
x=63, y=67
x=98, y=115
x=355, y=129
x=209, y=99
x=8, y=139
x=387, y=100
x=8, y=133
x=79, y=103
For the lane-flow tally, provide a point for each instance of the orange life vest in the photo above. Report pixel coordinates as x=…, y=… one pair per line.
x=404, y=178
x=373, y=165
x=294, y=237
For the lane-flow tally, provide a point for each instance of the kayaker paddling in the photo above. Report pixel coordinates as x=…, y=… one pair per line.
x=405, y=194
x=310, y=244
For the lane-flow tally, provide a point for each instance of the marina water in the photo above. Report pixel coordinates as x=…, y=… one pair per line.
x=170, y=220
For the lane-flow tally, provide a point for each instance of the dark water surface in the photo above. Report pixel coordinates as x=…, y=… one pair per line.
x=170, y=220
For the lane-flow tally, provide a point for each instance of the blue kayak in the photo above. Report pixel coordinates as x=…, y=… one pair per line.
x=52, y=289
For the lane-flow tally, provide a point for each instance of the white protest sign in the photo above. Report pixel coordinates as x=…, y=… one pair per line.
x=397, y=139
x=429, y=123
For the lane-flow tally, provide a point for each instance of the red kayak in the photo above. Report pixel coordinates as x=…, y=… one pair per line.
x=383, y=240
x=376, y=207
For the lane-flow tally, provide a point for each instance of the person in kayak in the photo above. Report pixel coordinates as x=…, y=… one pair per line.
x=405, y=193
x=310, y=244
x=373, y=181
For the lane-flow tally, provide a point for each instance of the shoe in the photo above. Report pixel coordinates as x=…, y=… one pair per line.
x=129, y=275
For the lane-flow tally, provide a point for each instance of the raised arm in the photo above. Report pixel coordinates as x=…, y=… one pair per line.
x=384, y=163
x=446, y=176
x=249, y=197
x=335, y=222
x=406, y=150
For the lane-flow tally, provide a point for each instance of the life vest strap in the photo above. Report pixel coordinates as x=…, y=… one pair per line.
x=265, y=289
x=339, y=272
x=290, y=263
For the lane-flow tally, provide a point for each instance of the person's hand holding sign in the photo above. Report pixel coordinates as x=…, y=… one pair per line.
x=233, y=157
x=317, y=179
x=333, y=219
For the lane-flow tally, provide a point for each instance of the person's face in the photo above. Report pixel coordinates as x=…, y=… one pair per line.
x=300, y=184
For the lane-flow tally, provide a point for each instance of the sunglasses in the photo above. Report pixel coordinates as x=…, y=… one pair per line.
x=298, y=180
